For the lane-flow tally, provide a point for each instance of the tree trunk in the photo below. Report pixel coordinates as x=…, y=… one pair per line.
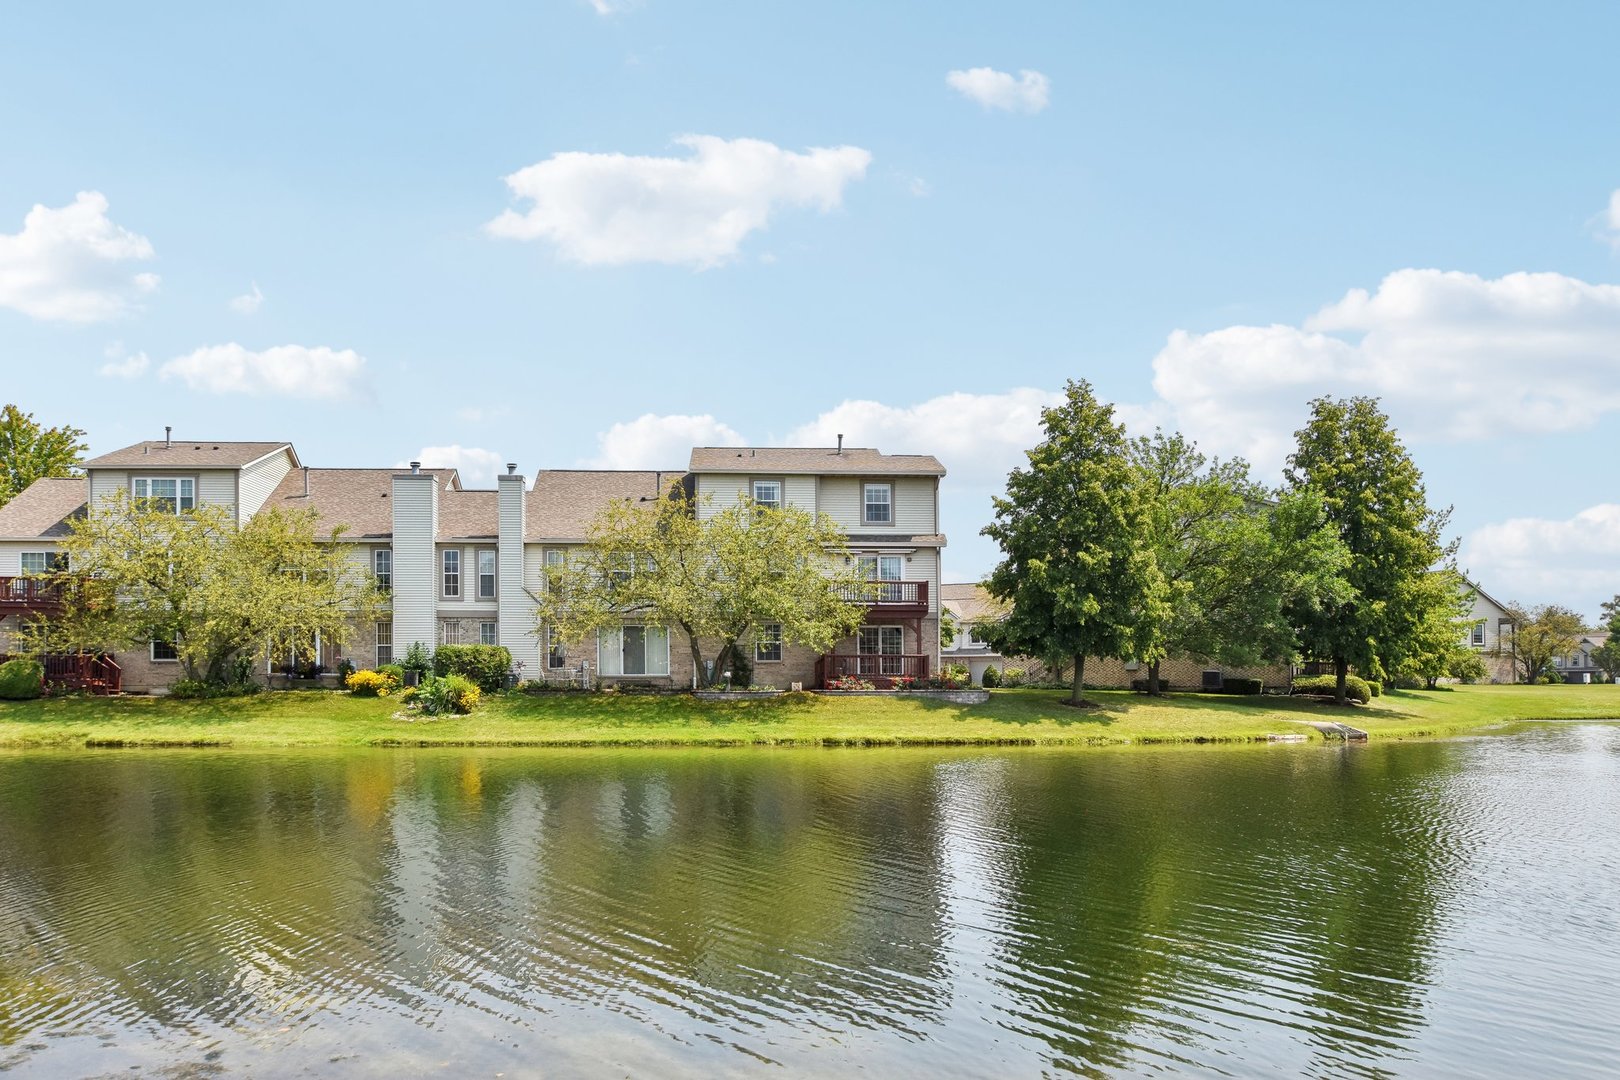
x=697, y=659
x=1077, y=690
x=1341, y=671
x=722, y=662
x=1153, y=680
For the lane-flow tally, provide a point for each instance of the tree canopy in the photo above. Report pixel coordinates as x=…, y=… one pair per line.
x=719, y=577
x=1437, y=648
x=221, y=593
x=1075, y=578
x=1541, y=634
x=30, y=451
x=1372, y=494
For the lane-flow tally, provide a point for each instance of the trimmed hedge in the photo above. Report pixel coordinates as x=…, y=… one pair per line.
x=1241, y=686
x=21, y=679
x=1355, y=687
x=485, y=665
x=1141, y=685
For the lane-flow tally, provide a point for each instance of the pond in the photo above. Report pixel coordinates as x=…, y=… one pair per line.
x=1426, y=909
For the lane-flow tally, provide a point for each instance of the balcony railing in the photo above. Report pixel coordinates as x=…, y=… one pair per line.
x=30, y=593
x=95, y=673
x=879, y=669
x=906, y=598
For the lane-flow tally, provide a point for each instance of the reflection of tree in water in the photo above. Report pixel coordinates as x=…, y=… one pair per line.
x=730, y=892
x=1196, y=907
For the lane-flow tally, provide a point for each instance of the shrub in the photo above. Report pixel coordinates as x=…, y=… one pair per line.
x=417, y=658
x=850, y=682
x=485, y=665
x=1355, y=687
x=21, y=679
x=450, y=694
x=394, y=672
x=1013, y=676
x=990, y=679
x=200, y=688
x=947, y=679
x=371, y=684
x=955, y=671
x=345, y=668
x=1551, y=678
x=1241, y=686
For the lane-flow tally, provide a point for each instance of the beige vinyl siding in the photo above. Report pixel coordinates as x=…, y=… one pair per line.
x=842, y=498
x=800, y=491
x=416, y=570
x=839, y=497
x=11, y=554
x=914, y=504
x=259, y=480
x=215, y=487
x=924, y=566
x=104, y=483
x=719, y=492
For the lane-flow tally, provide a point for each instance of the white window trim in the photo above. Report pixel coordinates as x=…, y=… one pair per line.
x=554, y=650
x=866, y=517
x=151, y=652
x=495, y=634
x=377, y=575
x=444, y=573
x=618, y=634
x=775, y=640
x=180, y=483
x=781, y=493
x=381, y=644
x=494, y=573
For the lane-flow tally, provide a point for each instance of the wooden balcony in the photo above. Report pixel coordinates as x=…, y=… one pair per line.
x=26, y=594
x=94, y=673
x=894, y=599
x=881, y=670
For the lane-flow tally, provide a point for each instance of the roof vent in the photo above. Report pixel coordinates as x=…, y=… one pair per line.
x=840, y=442
x=416, y=467
x=168, y=436
x=511, y=468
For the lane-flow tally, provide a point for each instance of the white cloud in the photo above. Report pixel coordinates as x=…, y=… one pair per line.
x=659, y=442
x=1574, y=561
x=70, y=263
x=248, y=303
x=1028, y=91
x=919, y=188
x=122, y=364
x=615, y=209
x=285, y=371
x=478, y=467
x=1453, y=356
x=1609, y=220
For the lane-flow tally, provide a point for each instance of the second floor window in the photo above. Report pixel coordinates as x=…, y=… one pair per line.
x=43, y=562
x=1476, y=636
x=768, y=645
x=768, y=494
x=879, y=504
x=452, y=572
x=170, y=493
x=486, y=574
x=382, y=563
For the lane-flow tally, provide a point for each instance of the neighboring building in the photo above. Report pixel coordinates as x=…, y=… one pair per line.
x=1578, y=666
x=463, y=566
x=1490, y=633
x=971, y=605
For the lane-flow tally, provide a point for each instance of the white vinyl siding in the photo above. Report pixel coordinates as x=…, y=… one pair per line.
x=800, y=492
x=415, y=502
x=633, y=650
x=217, y=487
x=717, y=493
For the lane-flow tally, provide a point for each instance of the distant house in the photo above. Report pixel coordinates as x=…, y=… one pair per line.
x=971, y=605
x=1578, y=666
x=1490, y=633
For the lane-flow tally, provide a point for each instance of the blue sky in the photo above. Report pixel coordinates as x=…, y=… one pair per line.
x=777, y=222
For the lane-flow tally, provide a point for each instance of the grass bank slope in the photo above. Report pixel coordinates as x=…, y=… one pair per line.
x=312, y=718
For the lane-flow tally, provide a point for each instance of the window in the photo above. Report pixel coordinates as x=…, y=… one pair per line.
x=555, y=556
x=1476, y=636
x=879, y=504
x=768, y=645
x=382, y=564
x=170, y=493
x=486, y=574
x=452, y=572
x=633, y=650
x=43, y=562
x=556, y=655
x=450, y=631
x=489, y=633
x=767, y=494
x=163, y=650
x=879, y=647
x=385, y=643
x=883, y=568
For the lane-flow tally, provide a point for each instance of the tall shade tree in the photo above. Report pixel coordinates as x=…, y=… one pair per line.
x=221, y=593
x=1233, y=560
x=30, y=451
x=719, y=578
x=1541, y=634
x=1437, y=649
x=1074, y=580
x=1372, y=495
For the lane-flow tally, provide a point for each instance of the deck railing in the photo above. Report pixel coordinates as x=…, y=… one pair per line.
x=890, y=595
x=880, y=669
x=96, y=673
x=30, y=593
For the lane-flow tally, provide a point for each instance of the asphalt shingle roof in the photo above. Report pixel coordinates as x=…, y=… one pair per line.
x=195, y=453
x=563, y=502
x=43, y=509
x=970, y=603
x=359, y=499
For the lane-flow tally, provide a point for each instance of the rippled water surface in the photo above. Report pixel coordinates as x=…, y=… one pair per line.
x=1433, y=909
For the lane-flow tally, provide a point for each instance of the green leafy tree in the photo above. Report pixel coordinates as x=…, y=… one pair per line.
x=1437, y=647
x=1075, y=579
x=30, y=451
x=1233, y=561
x=1607, y=655
x=1540, y=635
x=1372, y=495
x=717, y=577
x=218, y=591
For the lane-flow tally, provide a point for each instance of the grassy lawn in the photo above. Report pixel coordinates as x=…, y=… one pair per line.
x=313, y=718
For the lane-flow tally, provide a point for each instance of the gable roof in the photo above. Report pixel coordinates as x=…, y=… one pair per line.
x=812, y=459
x=359, y=499
x=969, y=602
x=42, y=510
x=196, y=453
x=562, y=503
x=1487, y=597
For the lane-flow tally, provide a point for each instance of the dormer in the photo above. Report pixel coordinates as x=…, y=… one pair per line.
x=184, y=474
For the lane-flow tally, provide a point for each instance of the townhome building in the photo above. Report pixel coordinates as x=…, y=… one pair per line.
x=1578, y=666
x=464, y=565
x=1489, y=632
